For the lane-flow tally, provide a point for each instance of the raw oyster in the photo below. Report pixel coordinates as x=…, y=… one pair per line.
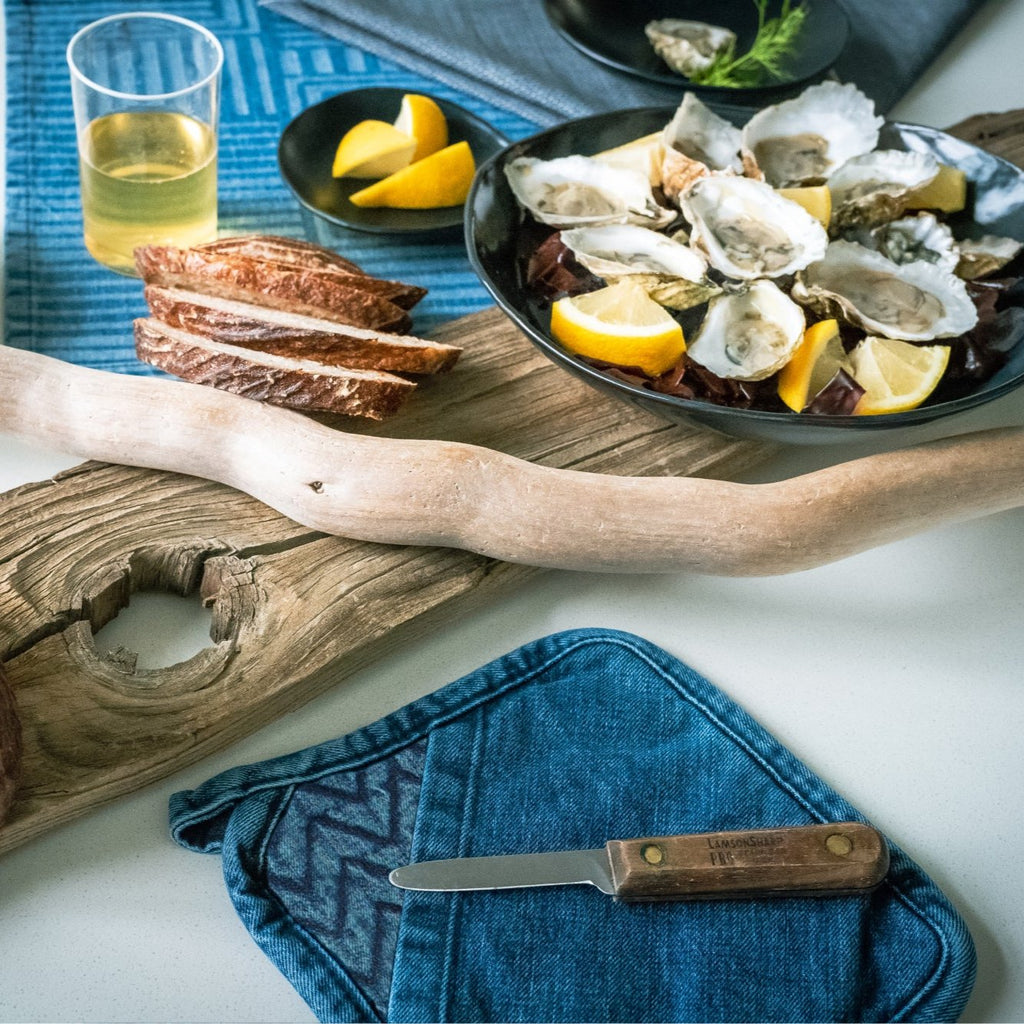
x=688, y=46
x=672, y=273
x=695, y=142
x=982, y=256
x=749, y=334
x=873, y=188
x=923, y=237
x=574, y=190
x=748, y=230
x=802, y=140
x=913, y=302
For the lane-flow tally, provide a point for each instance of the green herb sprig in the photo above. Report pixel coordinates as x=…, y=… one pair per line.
x=776, y=40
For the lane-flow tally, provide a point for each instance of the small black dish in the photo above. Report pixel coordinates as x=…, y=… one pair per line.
x=306, y=153
x=612, y=33
x=494, y=240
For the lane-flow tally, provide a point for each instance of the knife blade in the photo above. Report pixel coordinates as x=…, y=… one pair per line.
x=843, y=858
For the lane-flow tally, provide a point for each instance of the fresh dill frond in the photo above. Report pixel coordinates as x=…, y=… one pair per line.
x=765, y=61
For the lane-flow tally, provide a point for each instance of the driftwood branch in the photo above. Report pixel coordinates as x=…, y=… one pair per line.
x=428, y=492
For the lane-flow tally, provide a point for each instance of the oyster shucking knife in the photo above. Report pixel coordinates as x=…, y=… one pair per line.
x=832, y=859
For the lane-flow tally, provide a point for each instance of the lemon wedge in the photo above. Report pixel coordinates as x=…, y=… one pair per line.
x=815, y=199
x=643, y=155
x=372, y=149
x=421, y=118
x=815, y=362
x=619, y=324
x=441, y=179
x=946, y=192
x=896, y=375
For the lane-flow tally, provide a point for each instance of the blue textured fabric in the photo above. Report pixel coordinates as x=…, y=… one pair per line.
x=60, y=302
x=511, y=55
x=569, y=741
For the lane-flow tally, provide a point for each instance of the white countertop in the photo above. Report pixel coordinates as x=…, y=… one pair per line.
x=896, y=675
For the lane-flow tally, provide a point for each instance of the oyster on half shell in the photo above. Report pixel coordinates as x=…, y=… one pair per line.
x=910, y=302
x=688, y=46
x=672, y=273
x=748, y=230
x=695, y=142
x=909, y=239
x=574, y=190
x=802, y=140
x=748, y=334
x=873, y=188
x=980, y=257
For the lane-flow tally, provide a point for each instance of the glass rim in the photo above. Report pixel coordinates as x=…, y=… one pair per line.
x=76, y=71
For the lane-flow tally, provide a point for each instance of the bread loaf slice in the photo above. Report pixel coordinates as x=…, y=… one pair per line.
x=279, y=249
x=294, y=383
x=299, y=337
x=343, y=297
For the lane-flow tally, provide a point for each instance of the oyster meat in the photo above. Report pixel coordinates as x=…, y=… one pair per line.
x=983, y=256
x=909, y=239
x=748, y=230
x=873, y=188
x=803, y=140
x=672, y=273
x=695, y=142
x=749, y=334
x=910, y=302
x=574, y=190
x=688, y=46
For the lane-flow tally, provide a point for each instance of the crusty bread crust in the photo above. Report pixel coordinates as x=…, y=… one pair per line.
x=10, y=748
x=343, y=297
x=290, y=334
x=282, y=250
x=293, y=383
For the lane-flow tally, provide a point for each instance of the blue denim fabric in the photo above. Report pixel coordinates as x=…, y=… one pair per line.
x=569, y=741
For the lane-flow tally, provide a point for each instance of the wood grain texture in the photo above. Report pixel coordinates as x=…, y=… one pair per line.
x=294, y=611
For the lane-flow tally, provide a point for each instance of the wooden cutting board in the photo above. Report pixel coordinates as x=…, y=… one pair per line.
x=294, y=611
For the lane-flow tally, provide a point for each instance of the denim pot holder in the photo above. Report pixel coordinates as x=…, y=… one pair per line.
x=577, y=738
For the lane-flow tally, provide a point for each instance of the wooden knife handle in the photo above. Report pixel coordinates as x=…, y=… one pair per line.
x=831, y=859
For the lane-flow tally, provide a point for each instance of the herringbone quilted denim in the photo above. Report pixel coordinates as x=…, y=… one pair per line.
x=564, y=743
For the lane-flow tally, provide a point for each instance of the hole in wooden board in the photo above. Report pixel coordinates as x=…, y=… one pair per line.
x=160, y=628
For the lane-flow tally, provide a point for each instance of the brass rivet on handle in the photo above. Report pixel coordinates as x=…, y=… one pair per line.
x=839, y=844
x=652, y=853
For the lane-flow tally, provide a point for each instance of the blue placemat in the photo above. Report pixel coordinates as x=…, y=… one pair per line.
x=60, y=302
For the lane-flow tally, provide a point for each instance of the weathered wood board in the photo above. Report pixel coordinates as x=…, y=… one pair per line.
x=294, y=611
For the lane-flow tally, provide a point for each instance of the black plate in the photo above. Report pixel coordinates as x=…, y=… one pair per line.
x=308, y=144
x=612, y=32
x=493, y=232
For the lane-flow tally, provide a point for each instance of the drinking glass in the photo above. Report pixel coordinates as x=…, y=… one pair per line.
x=146, y=91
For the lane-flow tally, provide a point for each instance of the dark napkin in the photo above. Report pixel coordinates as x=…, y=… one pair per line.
x=573, y=739
x=509, y=54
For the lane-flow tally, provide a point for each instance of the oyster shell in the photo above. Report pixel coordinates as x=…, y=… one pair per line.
x=983, y=256
x=748, y=334
x=914, y=302
x=695, y=142
x=688, y=46
x=803, y=140
x=575, y=190
x=672, y=273
x=908, y=239
x=873, y=188
x=748, y=230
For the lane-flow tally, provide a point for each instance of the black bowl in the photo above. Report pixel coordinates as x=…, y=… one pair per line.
x=306, y=153
x=612, y=33
x=495, y=233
